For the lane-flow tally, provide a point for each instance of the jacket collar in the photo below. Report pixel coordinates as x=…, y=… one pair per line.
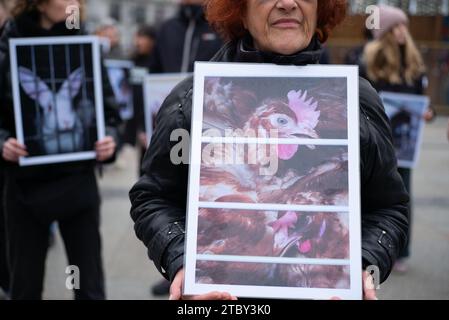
x=243, y=51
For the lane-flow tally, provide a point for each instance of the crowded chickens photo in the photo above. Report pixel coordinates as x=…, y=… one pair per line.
x=308, y=162
x=317, y=235
x=303, y=174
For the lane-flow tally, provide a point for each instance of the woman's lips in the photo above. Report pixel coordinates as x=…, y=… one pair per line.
x=286, y=23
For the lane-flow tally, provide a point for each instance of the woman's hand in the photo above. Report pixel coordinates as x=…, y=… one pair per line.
x=105, y=148
x=369, y=290
x=176, y=294
x=13, y=150
x=429, y=114
x=143, y=140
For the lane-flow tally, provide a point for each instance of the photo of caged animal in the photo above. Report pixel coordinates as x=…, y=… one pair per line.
x=58, y=102
x=61, y=126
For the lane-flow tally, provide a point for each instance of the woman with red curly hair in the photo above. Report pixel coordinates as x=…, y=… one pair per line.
x=288, y=32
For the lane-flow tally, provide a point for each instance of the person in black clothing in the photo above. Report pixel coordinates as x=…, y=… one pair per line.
x=355, y=55
x=5, y=7
x=159, y=197
x=144, y=42
x=393, y=63
x=180, y=42
x=63, y=192
x=184, y=39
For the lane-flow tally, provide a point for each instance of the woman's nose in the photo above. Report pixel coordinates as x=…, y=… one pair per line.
x=287, y=5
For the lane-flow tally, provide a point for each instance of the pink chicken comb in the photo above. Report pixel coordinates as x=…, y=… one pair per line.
x=307, y=117
x=305, y=110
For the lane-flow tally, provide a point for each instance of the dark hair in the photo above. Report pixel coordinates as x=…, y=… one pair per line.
x=146, y=31
x=226, y=17
x=23, y=6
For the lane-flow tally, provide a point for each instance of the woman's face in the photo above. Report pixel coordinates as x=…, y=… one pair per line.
x=55, y=10
x=400, y=33
x=144, y=44
x=281, y=26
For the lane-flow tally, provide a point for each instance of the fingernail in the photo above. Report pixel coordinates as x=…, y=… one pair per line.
x=170, y=297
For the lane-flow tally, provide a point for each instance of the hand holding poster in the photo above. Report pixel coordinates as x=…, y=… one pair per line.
x=58, y=102
x=274, y=191
x=406, y=113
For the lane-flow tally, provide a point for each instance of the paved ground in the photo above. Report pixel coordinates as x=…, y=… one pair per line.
x=129, y=273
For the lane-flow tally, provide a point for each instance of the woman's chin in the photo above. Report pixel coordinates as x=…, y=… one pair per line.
x=288, y=46
x=288, y=50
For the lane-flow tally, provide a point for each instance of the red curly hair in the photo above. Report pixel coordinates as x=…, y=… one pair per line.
x=226, y=17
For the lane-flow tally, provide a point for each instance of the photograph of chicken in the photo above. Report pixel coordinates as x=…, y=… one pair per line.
x=273, y=275
x=273, y=202
x=295, y=107
x=312, y=235
x=311, y=177
x=305, y=175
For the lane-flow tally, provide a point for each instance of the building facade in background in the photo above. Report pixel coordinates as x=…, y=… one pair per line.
x=129, y=15
x=412, y=7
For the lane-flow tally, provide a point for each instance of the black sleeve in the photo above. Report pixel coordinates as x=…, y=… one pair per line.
x=384, y=197
x=5, y=131
x=159, y=197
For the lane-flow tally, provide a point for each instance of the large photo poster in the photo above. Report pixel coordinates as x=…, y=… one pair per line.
x=407, y=124
x=274, y=184
x=58, y=101
x=156, y=88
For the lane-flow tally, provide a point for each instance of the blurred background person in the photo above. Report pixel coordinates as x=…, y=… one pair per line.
x=355, y=55
x=65, y=192
x=5, y=8
x=180, y=42
x=144, y=43
x=5, y=11
x=185, y=39
x=393, y=63
x=111, y=39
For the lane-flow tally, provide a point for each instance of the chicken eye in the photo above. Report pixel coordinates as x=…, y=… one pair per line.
x=219, y=243
x=282, y=121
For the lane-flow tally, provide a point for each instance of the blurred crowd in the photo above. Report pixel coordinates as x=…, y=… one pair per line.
x=390, y=61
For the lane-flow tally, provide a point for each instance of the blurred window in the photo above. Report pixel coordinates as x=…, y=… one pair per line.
x=139, y=14
x=115, y=10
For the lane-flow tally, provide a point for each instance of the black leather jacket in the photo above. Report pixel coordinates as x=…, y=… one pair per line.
x=159, y=197
x=186, y=36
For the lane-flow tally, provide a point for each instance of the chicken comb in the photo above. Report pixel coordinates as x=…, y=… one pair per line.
x=305, y=110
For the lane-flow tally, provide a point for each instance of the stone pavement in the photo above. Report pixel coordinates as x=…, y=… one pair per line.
x=129, y=273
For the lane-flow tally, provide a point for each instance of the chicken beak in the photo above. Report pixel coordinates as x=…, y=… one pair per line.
x=305, y=132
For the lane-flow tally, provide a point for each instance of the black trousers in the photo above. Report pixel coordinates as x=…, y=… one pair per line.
x=27, y=241
x=4, y=273
x=406, y=175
